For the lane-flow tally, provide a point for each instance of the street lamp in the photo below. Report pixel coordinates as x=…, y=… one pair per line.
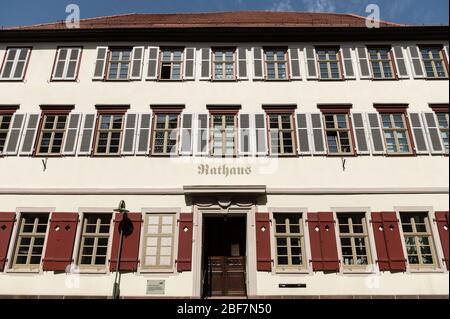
x=121, y=210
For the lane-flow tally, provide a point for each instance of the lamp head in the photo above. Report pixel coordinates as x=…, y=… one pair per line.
x=122, y=207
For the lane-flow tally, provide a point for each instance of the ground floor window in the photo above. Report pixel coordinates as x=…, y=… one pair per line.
x=158, y=241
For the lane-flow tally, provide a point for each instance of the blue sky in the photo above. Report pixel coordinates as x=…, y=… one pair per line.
x=23, y=12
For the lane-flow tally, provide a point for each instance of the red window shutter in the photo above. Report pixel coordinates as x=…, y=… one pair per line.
x=388, y=241
x=324, y=254
x=184, y=260
x=60, y=242
x=263, y=255
x=6, y=227
x=129, y=257
x=442, y=224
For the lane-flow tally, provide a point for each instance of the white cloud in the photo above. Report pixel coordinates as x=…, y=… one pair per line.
x=282, y=5
x=319, y=5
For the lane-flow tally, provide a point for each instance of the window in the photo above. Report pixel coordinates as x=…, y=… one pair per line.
x=276, y=64
x=158, y=241
x=329, y=63
x=224, y=64
x=433, y=61
x=109, y=134
x=396, y=134
x=52, y=134
x=281, y=132
x=119, y=64
x=442, y=122
x=95, y=240
x=15, y=63
x=381, y=61
x=171, y=63
x=289, y=237
x=354, y=239
x=30, y=241
x=337, y=130
x=418, y=240
x=5, y=122
x=165, y=135
x=223, y=134
x=67, y=60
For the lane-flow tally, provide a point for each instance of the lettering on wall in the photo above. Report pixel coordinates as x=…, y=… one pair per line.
x=224, y=170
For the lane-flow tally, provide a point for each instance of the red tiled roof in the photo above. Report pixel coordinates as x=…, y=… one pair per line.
x=216, y=19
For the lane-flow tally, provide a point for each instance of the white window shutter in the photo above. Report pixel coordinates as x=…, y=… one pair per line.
x=100, y=63
x=418, y=133
x=311, y=63
x=144, y=134
x=258, y=63
x=71, y=136
x=206, y=55
x=361, y=135
x=152, y=63
x=347, y=62
x=318, y=136
x=416, y=62
x=136, y=63
x=187, y=134
x=261, y=142
x=129, y=136
x=365, y=70
x=29, y=135
x=189, y=63
x=433, y=133
x=245, y=134
x=201, y=135
x=376, y=134
x=87, y=134
x=15, y=134
x=400, y=62
x=242, y=63
x=303, y=134
x=294, y=63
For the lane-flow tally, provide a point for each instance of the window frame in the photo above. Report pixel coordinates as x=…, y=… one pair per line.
x=380, y=63
x=213, y=63
x=230, y=111
x=328, y=110
x=160, y=63
x=446, y=114
x=66, y=63
x=286, y=62
x=271, y=110
x=443, y=60
x=6, y=111
x=13, y=69
x=328, y=62
x=120, y=62
x=167, y=133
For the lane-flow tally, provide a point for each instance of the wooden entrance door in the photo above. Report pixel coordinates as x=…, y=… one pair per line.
x=224, y=263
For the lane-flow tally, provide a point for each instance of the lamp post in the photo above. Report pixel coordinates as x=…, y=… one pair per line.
x=121, y=209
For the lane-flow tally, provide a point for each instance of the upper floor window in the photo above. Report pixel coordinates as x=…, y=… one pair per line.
x=119, y=60
x=443, y=127
x=52, y=134
x=224, y=64
x=354, y=239
x=158, y=241
x=281, y=132
x=15, y=64
x=289, y=239
x=66, y=64
x=433, y=61
x=5, y=122
x=396, y=134
x=30, y=240
x=276, y=64
x=223, y=134
x=329, y=63
x=338, y=133
x=95, y=240
x=171, y=64
x=165, y=133
x=381, y=62
x=109, y=134
x=418, y=239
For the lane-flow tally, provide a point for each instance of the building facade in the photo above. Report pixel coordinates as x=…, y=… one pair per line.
x=259, y=154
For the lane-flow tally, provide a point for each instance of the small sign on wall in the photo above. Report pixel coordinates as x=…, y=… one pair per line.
x=156, y=287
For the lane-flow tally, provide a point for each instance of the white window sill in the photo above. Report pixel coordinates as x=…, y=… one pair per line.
x=157, y=271
x=92, y=271
x=426, y=271
x=292, y=271
x=22, y=271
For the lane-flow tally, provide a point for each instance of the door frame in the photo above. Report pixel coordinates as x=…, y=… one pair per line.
x=197, y=258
